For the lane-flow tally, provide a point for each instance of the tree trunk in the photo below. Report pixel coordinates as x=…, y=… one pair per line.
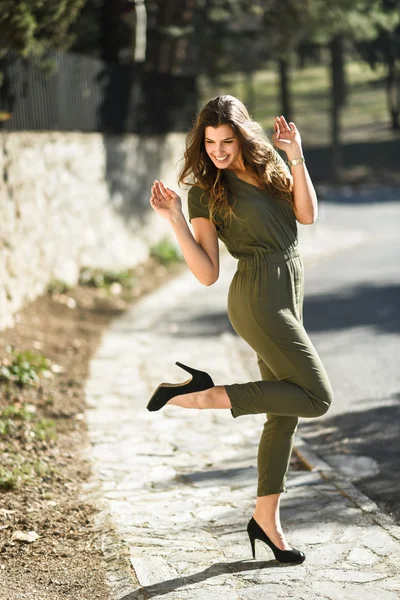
x=285, y=98
x=393, y=94
x=338, y=96
x=250, y=92
x=107, y=27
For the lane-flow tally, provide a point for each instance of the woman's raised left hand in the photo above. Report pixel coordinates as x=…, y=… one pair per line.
x=287, y=137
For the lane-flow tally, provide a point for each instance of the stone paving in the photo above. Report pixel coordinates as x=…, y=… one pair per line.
x=179, y=485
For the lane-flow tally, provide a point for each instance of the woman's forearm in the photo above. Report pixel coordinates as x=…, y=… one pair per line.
x=195, y=256
x=304, y=195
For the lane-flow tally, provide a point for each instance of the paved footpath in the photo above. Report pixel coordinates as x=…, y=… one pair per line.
x=178, y=486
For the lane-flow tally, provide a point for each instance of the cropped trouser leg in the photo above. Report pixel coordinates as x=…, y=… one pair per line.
x=275, y=446
x=265, y=308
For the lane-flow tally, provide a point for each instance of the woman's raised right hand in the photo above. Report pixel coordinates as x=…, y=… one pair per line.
x=164, y=200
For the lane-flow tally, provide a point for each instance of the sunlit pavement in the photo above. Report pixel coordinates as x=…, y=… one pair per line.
x=179, y=486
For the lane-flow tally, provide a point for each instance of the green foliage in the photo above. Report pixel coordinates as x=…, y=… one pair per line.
x=24, y=368
x=22, y=472
x=30, y=27
x=311, y=99
x=357, y=20
x=10, y=416
x=99, y=278
x=16, y=411
x=57, y=286
x=45, y=429
x=9, y=478
x=165, y=252
x=20, y=425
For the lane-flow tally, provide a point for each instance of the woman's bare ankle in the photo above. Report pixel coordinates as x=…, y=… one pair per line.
x=273, y=530
x=215, y=397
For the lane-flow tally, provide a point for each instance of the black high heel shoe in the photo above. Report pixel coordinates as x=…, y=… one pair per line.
x=165, y=391
x=287, y=556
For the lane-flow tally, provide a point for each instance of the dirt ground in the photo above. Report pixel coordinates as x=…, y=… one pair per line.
x=42, y=469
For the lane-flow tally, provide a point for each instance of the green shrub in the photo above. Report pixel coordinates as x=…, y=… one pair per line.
x=57, y=286
x=99, y=278
x=25, y=367
x=165, y=252
x=44, y=429
x=9, y=415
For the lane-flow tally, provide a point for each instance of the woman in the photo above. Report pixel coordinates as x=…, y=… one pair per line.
x=244, y=194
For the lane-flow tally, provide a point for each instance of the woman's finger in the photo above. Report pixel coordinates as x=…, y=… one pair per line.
x=284, y=123
x=293, y=126
x=160, y=190
x=162, y=187
x=171, y=193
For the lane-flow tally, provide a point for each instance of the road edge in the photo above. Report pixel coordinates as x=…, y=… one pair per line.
x=313, y=462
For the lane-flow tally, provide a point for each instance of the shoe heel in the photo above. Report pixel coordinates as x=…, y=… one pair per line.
x=252, y=540
x=186, y=368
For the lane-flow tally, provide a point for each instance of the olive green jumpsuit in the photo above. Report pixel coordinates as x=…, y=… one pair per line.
x=265, y=302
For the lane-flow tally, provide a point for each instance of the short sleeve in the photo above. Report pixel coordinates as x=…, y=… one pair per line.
x=197, y=203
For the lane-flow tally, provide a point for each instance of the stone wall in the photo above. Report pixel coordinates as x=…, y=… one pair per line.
x=69, y=200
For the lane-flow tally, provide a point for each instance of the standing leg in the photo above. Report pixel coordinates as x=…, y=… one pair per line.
x=275, y=447
x=274, y=453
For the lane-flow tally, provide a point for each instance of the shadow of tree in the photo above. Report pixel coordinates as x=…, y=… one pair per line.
x=207, y=324
x=374, y=306
x=363, y=305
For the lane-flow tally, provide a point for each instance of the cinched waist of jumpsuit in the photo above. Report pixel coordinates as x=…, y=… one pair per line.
x=262, y=255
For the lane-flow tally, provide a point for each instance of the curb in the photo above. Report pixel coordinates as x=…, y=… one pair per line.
x=314, y=463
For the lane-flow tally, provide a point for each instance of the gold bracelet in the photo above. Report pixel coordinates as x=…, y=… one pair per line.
x=296, y=161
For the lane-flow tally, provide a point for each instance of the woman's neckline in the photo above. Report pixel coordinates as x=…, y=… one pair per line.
x=230, y=172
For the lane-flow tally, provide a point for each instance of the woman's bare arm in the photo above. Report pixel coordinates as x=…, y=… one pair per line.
x=304, y=195
x=201, y=251
x=287, y=138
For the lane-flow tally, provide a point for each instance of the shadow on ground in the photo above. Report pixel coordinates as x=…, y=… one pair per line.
x=373, y=433
x=166, y=587
x=207, y=324
x=363, y=305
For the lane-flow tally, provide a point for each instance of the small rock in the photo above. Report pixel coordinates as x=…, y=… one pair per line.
x=25, y=536
x=71, y=303
x=115, y=288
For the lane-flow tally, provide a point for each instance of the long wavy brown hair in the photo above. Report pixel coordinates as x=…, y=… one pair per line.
x=258, y=153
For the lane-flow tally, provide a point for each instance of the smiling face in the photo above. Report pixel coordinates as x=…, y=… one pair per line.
x=223, y=147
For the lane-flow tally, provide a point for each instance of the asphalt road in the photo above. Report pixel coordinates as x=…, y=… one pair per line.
x=352, y=313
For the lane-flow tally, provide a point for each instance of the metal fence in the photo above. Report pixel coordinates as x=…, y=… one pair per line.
x=73, y=92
